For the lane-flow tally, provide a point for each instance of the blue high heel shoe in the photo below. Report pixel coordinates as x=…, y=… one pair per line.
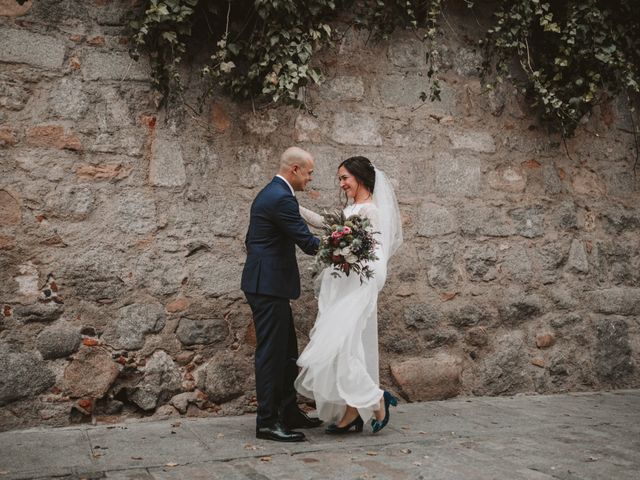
x=378, y=425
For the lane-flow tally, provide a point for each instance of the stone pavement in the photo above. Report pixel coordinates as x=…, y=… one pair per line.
x=571, y=437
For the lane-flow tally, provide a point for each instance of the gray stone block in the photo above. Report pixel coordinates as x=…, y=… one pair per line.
x=166, y=166
x=479, y=142
x=135, y=213
x=613, y=352
x=74, y=201
x=422, y=316
x=39, y=312
x=505, y=369
x=22, y=46
x=459, y=175
x=441, y=267
x=562, y=297
x=58, y=341
x=436, y=220
x=68, y=99
x=578, y=260
x=564, y=216
x=133, y=322
x=94, y=274
x=398, y=342
x=489, y=221
x=480, y=262
x=406, y=90
x=407, y=53
x=223, y=378
x=202, y=331
x=529, y=221
x=517, y=264
x=518, y=307
x=23, y=374
x=114, y=66
x=467, y=62
x=552, y=183
x=550, y=257
x=345, y=87
x=13, y=94
x=467, y=315
x=619, y=219
x=214, y=276
x=160, y=381
x=616, y=300
x=159, y=273
x=355, y=129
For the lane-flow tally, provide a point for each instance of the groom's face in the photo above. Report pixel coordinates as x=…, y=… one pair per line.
x=302, y=172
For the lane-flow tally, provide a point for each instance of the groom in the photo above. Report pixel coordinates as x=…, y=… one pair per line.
x=269, y=280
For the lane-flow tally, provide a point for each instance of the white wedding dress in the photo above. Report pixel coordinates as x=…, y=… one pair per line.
x=339, y=366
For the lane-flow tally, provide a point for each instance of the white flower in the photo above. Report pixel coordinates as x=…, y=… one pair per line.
x=345, y=251
x=351, y=258
x=226, y=67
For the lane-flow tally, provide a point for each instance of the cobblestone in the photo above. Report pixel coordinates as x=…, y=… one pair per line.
x=579, y=436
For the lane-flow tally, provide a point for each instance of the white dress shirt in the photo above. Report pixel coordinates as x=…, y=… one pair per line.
x=288, y=184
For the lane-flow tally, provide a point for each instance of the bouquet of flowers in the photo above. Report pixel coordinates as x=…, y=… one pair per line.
x=346, y=245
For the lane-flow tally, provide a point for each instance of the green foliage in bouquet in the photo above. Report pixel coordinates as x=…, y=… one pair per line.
x=346, y=245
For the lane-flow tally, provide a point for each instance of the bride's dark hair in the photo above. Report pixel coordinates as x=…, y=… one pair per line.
x=362, y=169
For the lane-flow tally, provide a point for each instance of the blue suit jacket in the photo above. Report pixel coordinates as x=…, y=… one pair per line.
x=275, y=228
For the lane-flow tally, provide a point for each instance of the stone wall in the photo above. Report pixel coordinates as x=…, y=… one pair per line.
x=122, y=226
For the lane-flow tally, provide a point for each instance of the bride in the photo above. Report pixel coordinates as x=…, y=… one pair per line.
x=340, y=363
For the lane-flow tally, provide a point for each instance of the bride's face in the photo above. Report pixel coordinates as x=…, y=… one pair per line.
x=348, y=183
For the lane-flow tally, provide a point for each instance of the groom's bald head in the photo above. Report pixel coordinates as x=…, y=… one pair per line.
x=294, y=155
x=296, y=165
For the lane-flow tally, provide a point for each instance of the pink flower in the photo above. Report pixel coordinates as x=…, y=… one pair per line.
x=346, y=231
x=336, y=235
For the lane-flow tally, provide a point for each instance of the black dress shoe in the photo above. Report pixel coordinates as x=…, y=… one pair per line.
x=357, y=424
x=279, y=433
x=299, y=419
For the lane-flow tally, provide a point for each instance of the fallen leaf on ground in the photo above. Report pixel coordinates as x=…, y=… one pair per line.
x=373, y=454
x=406, y=450
x=265, y=459
x=171, y=464
x=248, y=446
x=417, y=464
x=220, y=435
x=310, y=460
x=4, y=472
x=422, y=433
x=136, y=458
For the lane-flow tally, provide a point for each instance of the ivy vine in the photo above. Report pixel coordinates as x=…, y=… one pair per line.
x=572, y=54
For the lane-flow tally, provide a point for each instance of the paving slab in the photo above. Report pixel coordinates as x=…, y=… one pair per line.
x=144, y=444
x=28, y=451
x=585, y=436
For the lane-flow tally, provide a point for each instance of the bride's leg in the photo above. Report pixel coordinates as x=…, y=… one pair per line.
x=349, y=416
x=380, y=412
